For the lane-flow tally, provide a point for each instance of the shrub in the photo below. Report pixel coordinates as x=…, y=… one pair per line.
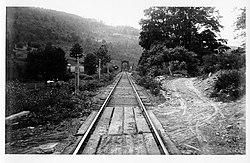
x=148, y=83
x=89, y=85
x=187, y=59
x=108, y=77
x=16, y=95
x=225, y=61
x=158, y=59
x=230, y=85
x=46, y=105
x=154, y=71
x=154, y=88
x=229, y=61
x=210, y=63
x=105, y=69
x=51, y=105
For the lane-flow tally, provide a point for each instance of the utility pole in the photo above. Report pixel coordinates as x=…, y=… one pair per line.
x=76, y=52
x=99, y=70
x=77, y=74
x=107, y=68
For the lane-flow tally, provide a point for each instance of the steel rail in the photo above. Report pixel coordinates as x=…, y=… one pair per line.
x=155, y=132
x=87, y=133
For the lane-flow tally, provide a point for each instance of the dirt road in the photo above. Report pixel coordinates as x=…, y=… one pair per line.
x=199, y=125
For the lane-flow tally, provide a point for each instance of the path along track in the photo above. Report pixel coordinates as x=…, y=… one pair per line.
x=122, y=125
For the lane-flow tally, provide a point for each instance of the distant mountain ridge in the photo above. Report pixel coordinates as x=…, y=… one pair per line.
x=29, y=24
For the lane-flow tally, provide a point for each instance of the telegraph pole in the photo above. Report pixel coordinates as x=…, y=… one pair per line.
x=76, y=52
x=99, y=70
x=107, y=68
x=77, y=73
x=75, y=76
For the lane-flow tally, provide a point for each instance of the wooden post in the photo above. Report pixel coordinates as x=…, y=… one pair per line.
x=169, y=68
x=121, y=66
x=78, y=74
x=76, y=77
x=107, y=68
x=99, y=72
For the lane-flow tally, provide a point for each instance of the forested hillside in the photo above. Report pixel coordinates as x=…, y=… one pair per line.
x=38, y=26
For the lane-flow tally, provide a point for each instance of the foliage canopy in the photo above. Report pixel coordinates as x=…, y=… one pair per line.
x=240, y=25
x=50, y=63
x=76, y=51
x=194, y=28
x=90, y=63
x=102, y=54
x=177, y=38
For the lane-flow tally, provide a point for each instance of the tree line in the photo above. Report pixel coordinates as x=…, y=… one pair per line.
x=185, y=40
x=49, y=63
x=188, y=35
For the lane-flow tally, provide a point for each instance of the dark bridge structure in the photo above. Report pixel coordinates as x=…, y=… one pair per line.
x=125, y=65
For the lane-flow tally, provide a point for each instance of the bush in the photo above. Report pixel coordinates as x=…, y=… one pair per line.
x=89, y=85
x=158, y=59
x=230, y=85
x=108, y=77
x=210, y=63
x=229, y=61
x=226, y=61
x=16, y=95
x=51, y=105
x=148, y=83
x=46, y=105
x=105, y=69
x=155, y=89
x=154, y=71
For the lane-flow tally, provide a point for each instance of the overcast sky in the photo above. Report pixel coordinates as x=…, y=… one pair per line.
x=129, y=12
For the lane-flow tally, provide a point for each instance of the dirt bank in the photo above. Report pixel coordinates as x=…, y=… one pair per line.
x=199, y=125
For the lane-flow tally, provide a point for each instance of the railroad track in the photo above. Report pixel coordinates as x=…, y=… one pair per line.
x=122, y=125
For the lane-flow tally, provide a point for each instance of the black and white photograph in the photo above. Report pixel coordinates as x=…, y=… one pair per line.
x=124, y=77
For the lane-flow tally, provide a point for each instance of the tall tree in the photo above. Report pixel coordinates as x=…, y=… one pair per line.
x=102, y=54
x=194, y=28
x=76, y=51
x=240, y=25
x=90, y=63
x=50, y=63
